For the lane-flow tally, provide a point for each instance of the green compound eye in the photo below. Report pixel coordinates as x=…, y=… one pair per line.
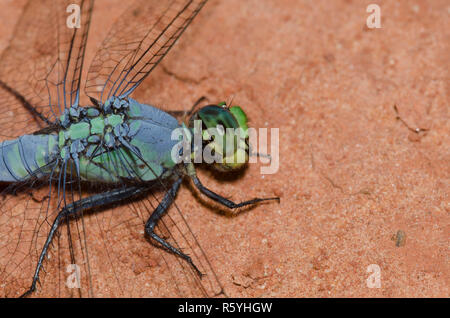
x=235, y=118
x=241, y=118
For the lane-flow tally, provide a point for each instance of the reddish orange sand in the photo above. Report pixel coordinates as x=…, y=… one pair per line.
x=351, y=175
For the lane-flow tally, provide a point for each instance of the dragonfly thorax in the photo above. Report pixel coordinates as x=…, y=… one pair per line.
x=120, y=139
x=84, y=128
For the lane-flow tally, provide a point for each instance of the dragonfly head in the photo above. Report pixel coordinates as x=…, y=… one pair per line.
x=224, y=134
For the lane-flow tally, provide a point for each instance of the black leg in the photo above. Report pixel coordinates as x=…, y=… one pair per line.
x=71, y=210
x=224, y=201
x=218, y=198
x=28, y=106
x=178, y=113
x=157, y=215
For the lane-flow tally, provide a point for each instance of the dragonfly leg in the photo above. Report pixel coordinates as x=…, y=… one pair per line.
x=26, y=104
x=72, y=210
x=177, y=113
x=157, y=214
x=218, y=198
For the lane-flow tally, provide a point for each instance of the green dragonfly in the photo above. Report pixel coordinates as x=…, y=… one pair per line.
x=64, y=164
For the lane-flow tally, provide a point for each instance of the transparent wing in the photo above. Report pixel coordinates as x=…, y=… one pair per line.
x=27, y=211
x=22, y=229
x=139, y=40
x=106, y=247
x=40, y=70
x=125, y=263
x=39, y=76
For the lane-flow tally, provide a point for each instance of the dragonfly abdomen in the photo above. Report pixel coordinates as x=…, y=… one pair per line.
x=27, y=156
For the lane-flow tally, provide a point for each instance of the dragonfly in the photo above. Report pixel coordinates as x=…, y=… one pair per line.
x=67, y=167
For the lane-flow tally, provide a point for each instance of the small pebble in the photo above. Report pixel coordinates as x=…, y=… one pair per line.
x=399, y=238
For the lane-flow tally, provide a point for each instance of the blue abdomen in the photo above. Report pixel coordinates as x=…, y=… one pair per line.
x=26, y=156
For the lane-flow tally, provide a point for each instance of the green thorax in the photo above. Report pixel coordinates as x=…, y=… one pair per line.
x=99, y=144
x=92, y=125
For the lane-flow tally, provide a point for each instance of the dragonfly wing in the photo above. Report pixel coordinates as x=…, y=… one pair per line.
x=27, y=212
x=39, y=76
x=181, y=279
x=107, y=247
x=122, y=261
x=139, y=40
x=40, y=70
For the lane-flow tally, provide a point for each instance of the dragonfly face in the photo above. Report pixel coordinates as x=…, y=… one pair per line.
x=225, y=132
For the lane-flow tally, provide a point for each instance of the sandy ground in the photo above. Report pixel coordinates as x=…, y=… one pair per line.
x=351, y=175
